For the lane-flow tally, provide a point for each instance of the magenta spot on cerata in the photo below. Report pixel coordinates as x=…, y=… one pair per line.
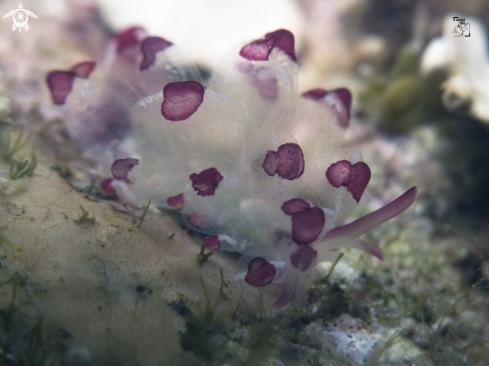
x=60, y=84
x=307, y=222
x=260, y=272
x=338, y=173
x=83, y=69
x=150, y=46
x=339, y=100
x=294, y=205
x=287, y=162
x=354, y=177
x=181, y=100
x=260, y=49
x=129, y=37
x=307, y=225
x=176, y=201
x=212, y=242
x=205, y=183
x=121, y=167
x=303, y=258
x=107, y=186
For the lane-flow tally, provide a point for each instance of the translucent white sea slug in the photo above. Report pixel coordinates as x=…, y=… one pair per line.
x=245, y=158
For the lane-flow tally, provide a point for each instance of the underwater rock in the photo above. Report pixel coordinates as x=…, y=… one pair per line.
x=85, y=267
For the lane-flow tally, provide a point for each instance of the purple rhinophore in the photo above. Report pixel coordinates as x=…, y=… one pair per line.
x=83, y=69
x=181, y=99
x=307, y=225
x=150, y=46
x=358, y=227
x=260, y=49
x=121, y=167
x=176, y=201
x=212, y=242
x=294, y=205
x=107, y=186
x=372, y=249
x=60, y=84
x=303, y=258
x=338, y=99
x=205, y=183
x=129, y=37
x=260, y=272
x=354, y=177
x=287, y=162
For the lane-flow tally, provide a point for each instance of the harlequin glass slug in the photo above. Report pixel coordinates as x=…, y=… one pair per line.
x=234, y=155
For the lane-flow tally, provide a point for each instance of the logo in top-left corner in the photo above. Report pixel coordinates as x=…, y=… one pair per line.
x=20, y=17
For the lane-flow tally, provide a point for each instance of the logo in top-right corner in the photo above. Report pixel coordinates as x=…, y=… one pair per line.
x=462, y=29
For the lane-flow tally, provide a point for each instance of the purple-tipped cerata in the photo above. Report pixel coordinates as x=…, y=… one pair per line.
x=287, y=162
x=307, y=225
x=129, y=37
x=212, y=242
x=121, y=167
x=83, y=69
x=205, y=183
x=60, y=84
x=260, y=272
x=354, y=177
x=107, y=186
x=362, y=225
x=150, y=46
x=294, y=205
x=176, y=201
x=260, y=49
x=303, y=258
x=338, y=99
x=181, y=100
x=338, y=173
